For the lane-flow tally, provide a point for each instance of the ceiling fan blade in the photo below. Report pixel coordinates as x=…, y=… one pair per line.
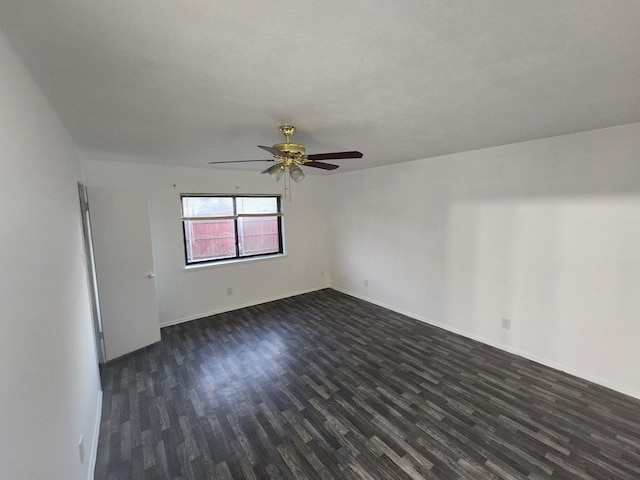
x=334, y=155
x=271, y=150
x=239, y=161
x=324, y=166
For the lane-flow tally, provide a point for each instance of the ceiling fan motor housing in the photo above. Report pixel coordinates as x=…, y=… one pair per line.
x=291, y=148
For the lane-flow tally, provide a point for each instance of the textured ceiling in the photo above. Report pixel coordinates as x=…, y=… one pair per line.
x=184, y=82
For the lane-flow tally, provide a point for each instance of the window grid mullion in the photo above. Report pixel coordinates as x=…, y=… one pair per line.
x=235, y=226
x=233, y=217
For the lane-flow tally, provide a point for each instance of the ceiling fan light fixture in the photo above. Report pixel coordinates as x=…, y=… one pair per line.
x=276, y=172
x=296, y=173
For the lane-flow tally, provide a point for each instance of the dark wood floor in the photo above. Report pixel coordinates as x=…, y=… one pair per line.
x=323, y=386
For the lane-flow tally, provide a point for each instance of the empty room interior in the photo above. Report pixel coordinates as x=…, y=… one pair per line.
x=320, y=240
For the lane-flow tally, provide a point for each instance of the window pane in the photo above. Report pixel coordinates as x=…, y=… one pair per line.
x=257, y=204
x=207, y=206
x=258, y=235
x=209, y=239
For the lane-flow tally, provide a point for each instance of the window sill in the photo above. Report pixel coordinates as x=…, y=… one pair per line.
x=233, y=261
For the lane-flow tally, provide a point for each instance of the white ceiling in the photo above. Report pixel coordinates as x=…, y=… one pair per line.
x=184, y=82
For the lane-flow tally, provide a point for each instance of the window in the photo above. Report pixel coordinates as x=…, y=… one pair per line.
x=220, y=227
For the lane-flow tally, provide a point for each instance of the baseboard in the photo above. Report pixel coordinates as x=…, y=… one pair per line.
x=94, y=441
x=500, y=346
x=237, y=307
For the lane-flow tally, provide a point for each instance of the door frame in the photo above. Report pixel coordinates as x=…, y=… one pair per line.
x=91, y=274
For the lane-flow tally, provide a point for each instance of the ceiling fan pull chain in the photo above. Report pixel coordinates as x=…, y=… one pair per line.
x=287, y=188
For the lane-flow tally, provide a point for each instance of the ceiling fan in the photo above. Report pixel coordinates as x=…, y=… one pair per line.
x=290, y=156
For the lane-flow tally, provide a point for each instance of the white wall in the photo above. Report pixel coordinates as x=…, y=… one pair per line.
x=185, y=294
x=50, y=391
x=546, y=233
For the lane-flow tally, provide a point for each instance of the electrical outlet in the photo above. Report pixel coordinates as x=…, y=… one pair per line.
x=229, y=291
x=81, y=449
x=366, y=283
x=506, y=323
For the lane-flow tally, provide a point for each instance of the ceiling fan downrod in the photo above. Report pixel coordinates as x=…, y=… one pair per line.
x=289, y=150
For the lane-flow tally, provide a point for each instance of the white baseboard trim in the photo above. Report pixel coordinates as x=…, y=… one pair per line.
x=500, y=346
x=237, y=307
x=94, y=441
